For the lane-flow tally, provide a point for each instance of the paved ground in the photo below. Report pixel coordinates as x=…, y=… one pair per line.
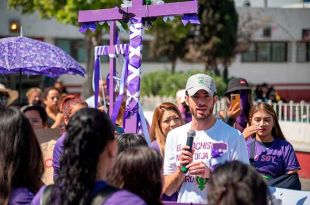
x=305, y=184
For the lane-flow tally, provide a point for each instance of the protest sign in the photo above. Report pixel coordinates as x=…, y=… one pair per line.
x=47, y=139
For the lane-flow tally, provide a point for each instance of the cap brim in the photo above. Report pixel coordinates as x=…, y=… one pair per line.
x=237, y=88
x=194, y=90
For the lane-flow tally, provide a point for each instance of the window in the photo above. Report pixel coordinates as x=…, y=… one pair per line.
x=303, y=52
x=74, y=47
x=266, y=52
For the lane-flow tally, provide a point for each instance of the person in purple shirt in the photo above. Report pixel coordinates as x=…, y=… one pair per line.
x=268, y=150
x=90, y=150
x=68, y=106
x=237, y=114
x=166, y=117
x=20, y=159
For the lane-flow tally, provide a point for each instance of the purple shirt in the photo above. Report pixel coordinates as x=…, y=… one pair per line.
x=155, y=146
x=273, y=159
x=121, y=197
x=57, y=154
x=21, y=196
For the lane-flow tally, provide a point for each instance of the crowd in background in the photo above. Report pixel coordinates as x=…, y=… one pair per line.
x=94, y=162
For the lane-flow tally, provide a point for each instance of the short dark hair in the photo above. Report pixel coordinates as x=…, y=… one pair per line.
x=127, y=140
x=47, y=90
x=38, y=108
x=236, y=183
x=138, y=170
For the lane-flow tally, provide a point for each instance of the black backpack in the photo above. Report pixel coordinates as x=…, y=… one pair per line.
x=99, y=197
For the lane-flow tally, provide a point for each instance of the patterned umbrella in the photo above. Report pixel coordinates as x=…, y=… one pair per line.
x=32, y=57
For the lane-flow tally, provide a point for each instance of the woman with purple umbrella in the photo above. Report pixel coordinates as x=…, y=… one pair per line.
x=20, y=159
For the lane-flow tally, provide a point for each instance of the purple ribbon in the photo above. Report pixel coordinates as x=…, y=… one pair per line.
x=85, y=26
x=96, y=80
x=107, y=80
x=190, y=18
x=130, y=111
x=215, y=153
x=119, y=100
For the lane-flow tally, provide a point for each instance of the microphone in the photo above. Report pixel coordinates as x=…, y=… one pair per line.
x=189, y=142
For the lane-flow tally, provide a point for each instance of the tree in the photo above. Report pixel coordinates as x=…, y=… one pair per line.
x=169, y=41
x=66, y=11
x=164, y=83
x=215, y=39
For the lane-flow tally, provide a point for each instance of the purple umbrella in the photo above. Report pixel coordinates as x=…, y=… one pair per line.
x=32, y=57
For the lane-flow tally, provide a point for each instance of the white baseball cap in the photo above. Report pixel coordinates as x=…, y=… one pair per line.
x=200, y=82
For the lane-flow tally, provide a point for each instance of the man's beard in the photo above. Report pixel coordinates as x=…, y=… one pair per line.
x=206, y=116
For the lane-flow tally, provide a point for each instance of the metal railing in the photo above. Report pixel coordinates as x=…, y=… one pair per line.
x=289, y=112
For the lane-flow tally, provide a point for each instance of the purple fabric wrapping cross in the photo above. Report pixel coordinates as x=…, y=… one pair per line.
x=111, y=51
x=190, y=18
x=85, y=26
x=136, y=13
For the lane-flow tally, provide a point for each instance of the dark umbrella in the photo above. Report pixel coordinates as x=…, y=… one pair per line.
x=32, y=57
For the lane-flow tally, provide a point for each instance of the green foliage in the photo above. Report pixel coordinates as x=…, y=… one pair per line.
x=211, y=42
x=217, y=33
x=165, y=83
x=169, y=38
x=65, y=11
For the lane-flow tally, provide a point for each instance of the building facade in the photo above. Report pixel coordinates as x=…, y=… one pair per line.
x=279, y=53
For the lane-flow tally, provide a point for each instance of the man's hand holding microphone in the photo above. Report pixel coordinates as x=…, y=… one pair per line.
x=196, y=168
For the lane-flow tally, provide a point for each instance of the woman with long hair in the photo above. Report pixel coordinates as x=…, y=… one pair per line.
x=166, y=117
x=21, y=163
x=89, y=154
x=236, y=183
x=138, y=169
x=268, y=150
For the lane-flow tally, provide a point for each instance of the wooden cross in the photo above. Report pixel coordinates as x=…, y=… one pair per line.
x=136, y=13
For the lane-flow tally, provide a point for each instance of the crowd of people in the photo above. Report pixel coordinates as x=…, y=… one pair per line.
x=233, y=157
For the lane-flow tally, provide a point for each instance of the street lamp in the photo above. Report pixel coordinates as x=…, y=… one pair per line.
x=14, y=26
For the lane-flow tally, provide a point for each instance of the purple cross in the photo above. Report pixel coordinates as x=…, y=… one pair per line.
x=136, y=13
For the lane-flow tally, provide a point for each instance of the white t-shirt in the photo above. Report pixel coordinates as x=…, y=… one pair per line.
x=193, y=189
